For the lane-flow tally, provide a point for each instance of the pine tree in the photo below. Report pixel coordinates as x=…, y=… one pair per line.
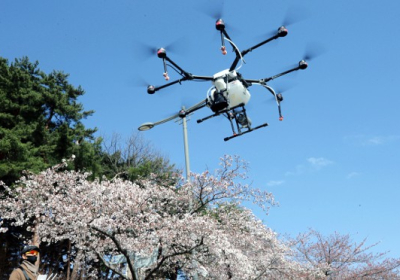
x=40, y=119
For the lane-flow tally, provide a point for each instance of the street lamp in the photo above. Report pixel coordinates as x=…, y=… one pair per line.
x=182, y=114
x=146, y=126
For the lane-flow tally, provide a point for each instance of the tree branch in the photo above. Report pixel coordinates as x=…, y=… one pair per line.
x=173, y=255
x=120, y=249
x=109, y=266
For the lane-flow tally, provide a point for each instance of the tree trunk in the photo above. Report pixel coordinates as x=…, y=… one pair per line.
x=36, y=241
x=75, y=271
x=69, y=260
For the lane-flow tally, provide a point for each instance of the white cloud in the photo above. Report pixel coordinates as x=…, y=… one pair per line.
x=300, y=169
x=381, y=140
x=352, y=175
x=318, y=163
x=374, y=141
x=275, y=183
x=368, y=140
x=313, y=164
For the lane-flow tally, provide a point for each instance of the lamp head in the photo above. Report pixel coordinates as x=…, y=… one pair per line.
x=146, y=126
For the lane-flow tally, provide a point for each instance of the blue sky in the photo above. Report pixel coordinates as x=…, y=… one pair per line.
x=332, y=164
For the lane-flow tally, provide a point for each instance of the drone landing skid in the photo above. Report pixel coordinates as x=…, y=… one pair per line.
x=247, y=131
x=239, y=115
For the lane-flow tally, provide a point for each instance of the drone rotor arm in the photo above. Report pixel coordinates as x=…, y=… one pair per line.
x=152, y=89
x=278, y=97
x=276, y=36
x=183, y=72
x=282, y=32
x=196, y=107
x=204, y=78
x=252, y=81
x=187, y=75
x=301, y=66
x=278, y=101
x=280, y=74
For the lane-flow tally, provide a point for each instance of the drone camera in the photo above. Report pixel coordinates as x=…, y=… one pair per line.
x=243, y=120
x=303, y=64
x=151, y=89
x=282, y=31
x=218, y=101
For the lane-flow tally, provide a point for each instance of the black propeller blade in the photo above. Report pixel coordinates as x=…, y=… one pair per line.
x=143, y=51
x=312, y=51
x=292, y=16
x=140, y=82
x=213, y=9
x=295, y=14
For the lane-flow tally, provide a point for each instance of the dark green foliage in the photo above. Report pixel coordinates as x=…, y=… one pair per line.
x=40, y=119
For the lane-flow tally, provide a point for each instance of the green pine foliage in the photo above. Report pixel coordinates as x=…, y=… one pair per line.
x=40, y=120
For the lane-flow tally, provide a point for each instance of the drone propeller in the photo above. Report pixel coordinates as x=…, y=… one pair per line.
x=279, y=93
x=214, y=10
x=292, y=16
x=295, y=15
x=140, y=82
x=312, y=51
x=144, y=51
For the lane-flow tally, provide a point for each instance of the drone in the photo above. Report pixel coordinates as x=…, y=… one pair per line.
x=229, y=92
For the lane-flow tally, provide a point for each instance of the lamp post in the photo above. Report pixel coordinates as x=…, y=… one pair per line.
x=182, y=114
x=186, y=146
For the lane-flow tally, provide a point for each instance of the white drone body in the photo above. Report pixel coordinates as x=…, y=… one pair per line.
x=228, y=91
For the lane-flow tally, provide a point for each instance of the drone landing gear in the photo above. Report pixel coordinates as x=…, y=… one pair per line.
x=247, y=131
x=242, y=122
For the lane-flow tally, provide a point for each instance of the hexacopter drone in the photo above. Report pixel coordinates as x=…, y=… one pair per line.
x=229, y=92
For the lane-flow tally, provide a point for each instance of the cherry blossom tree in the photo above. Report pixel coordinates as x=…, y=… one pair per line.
x=337, y=257
x=198, y=226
